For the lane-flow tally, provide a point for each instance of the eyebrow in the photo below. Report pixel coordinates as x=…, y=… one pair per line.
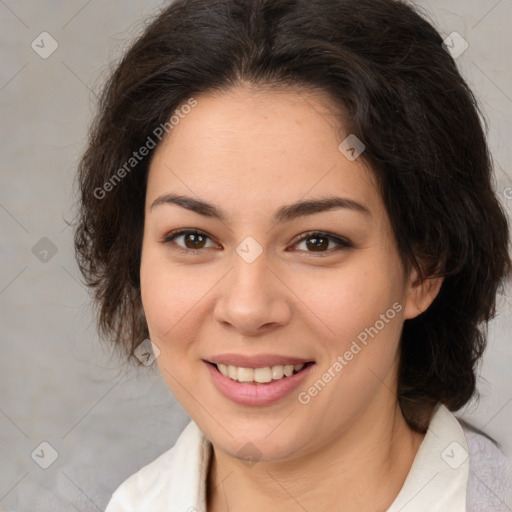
x=284, y=214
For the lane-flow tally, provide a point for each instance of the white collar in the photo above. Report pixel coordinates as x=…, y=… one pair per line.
x=438, y=476
x=177, y=479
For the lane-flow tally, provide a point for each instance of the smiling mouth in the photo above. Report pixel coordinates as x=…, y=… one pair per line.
x=264, y=375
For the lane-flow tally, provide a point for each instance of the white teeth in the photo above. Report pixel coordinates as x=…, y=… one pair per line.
x=262, y=375
x=288, y=370
x=259, y=375
x=245, y=374
x=277, y=372
x=232, y=372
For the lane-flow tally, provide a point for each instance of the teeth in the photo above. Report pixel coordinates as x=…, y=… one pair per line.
x=262, y=374
x=277, y=372
x=259, y=375
x=245, y=374
x=232, y=372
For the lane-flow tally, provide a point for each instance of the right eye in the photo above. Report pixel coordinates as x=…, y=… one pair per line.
x=192, y=240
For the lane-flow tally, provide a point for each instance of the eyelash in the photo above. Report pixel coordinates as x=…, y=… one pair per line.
x=342, y=243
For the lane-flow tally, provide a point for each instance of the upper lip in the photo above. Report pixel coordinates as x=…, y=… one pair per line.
x=257, y=360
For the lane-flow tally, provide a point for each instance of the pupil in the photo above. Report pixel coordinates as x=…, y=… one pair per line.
x=195, y=239
x=317, y=243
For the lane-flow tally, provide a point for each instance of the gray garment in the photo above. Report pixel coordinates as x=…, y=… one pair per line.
x=489, y=486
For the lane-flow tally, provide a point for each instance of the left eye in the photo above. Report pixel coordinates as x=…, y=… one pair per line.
x=321, y=242
x=191, y=239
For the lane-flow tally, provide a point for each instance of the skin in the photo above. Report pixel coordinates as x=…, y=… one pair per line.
x=249, y=152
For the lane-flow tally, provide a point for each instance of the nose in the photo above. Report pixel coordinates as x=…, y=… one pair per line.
x=252, y=300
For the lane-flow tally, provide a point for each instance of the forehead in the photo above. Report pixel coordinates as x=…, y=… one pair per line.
x=263, y=147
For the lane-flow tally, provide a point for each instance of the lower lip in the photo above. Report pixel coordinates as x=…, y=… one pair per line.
x=257, y=394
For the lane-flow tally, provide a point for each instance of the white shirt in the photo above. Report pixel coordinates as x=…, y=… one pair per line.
x=454, y=470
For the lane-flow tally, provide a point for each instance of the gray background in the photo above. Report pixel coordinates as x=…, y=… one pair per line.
x=58, y=383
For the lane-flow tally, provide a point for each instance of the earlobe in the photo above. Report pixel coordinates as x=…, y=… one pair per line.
x=421, y=294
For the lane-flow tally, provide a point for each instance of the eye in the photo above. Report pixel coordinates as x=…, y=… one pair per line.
x=192, y=240
x=321, y=242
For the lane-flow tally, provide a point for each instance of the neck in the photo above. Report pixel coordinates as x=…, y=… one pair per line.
x=370, y=455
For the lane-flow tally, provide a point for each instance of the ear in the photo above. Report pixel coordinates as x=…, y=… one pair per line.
x=420, y=294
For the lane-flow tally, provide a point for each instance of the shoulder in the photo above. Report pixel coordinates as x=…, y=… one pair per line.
x=489, y=487
x=161, y=480
x=128, y=495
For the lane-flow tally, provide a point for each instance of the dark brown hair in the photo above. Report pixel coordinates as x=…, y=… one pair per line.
x=385, y=65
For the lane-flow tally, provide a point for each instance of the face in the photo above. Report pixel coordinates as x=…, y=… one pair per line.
x=233, y=274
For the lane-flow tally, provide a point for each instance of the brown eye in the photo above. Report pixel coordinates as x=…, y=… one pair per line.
x=194, y=241
x=319, y=242
x=188, y=240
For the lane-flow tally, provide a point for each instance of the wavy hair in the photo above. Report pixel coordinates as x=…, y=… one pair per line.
x=384, y=64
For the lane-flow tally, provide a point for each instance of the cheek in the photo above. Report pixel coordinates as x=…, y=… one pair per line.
x=364, y=311
x=164, y=294
x=353, y=299
x=173, y=298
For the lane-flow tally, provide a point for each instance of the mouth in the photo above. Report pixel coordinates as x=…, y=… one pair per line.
x=261, y=375
x=260, y=380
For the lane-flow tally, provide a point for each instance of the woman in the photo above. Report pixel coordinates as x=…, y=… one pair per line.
x=279, y=195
